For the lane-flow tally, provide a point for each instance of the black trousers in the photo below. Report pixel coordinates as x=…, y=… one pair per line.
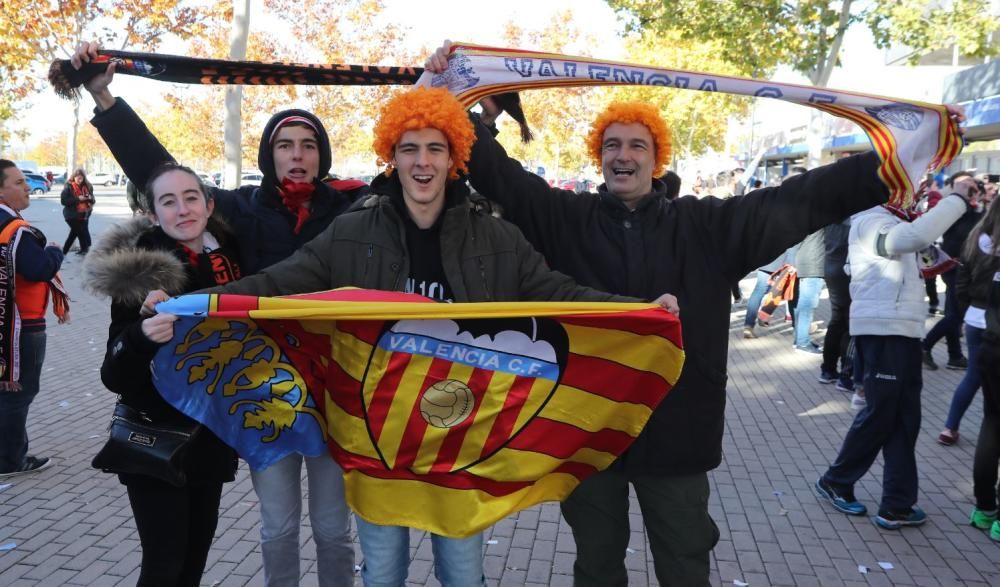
x=838, y=336
x=889, y=423
x=930, y=286
x=176, y=526
x=984, y=467
x=681, y=533
x=78, y=228
x=949, y=326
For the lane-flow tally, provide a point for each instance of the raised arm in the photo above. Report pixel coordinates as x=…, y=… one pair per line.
x=305, y=271
x=751, y=230
x=129, y=140
x=539, y=210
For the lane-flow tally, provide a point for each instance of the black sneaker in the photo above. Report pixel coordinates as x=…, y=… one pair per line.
x=842, y=502
x=845, y=384
x=828, y=376
x=31, y=465
x=928, y=360
x=959, y=364
x=896, y=520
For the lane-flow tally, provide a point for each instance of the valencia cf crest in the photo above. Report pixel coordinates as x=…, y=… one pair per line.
x=898, y=116
x=458, y=77
x=440, y=396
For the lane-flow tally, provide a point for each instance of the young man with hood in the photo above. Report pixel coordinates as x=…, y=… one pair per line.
x=629, y=239
x=887, y=321
x=290, y=208
x=420, y=232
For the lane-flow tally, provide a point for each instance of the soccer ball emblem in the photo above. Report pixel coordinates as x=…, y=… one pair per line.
x=446, y=403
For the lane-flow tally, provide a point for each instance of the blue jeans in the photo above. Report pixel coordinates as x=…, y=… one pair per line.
x=969, y=385
x=889, y=423
x=807, y=298
x=279, y=489
x=756, y=297
x=14, y=404
x=457, y=562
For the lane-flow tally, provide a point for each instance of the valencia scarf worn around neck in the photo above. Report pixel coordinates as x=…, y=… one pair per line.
x=10, y=322
x=84, y=200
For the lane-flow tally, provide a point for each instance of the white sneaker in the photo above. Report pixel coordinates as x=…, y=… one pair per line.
x=858, y=401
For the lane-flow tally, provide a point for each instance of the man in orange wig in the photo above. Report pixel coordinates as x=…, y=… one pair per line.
x=630, y=239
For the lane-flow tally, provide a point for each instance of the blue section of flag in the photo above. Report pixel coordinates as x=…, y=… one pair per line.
x=264, y=421
x=473, y=356
x=189, y=305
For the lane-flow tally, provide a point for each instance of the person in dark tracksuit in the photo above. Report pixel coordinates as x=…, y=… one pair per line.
x=887, y=320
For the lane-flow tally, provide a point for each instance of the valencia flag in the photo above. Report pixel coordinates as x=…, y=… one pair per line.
x=444, y=417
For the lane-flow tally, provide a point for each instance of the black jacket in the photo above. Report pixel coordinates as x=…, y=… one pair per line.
x=130, y=260
x=835, y=245
x=974, y=280
x=691, y=248
x=484, y=258
x=262, y=224
x=69, y=203
x=953, y=238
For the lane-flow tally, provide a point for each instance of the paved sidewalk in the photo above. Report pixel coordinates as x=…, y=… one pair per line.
x=73, y=526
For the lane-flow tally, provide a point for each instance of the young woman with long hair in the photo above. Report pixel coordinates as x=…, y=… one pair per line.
x=78, y=203
x=178, y=248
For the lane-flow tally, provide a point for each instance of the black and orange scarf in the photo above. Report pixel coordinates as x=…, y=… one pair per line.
x=10, y=323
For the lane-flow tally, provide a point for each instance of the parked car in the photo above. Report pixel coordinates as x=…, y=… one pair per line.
x=105, y=179
x=577, y=185
x=251, y=178
x=36, y=183
x=47, y=181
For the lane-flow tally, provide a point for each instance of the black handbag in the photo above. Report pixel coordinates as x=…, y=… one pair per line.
x=139, y=446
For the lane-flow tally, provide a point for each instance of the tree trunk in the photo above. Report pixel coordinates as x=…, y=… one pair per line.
x=234, y=95
x=71, y=139
x=820, y=77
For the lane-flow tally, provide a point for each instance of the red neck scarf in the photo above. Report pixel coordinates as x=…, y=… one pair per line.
x=904, y=214
x=79, y=189
x=192, y=255
x=293, y=196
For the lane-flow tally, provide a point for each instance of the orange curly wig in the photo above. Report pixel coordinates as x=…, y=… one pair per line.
x=425, y=108
x=627, y=113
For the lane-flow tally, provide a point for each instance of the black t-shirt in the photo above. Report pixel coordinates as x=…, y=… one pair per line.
x=426, y=276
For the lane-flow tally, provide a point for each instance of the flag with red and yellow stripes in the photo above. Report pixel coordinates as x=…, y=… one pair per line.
x=444, y=417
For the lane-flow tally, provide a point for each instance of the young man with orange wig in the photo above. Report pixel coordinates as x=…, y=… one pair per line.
x=630, y=239
x=420, y=232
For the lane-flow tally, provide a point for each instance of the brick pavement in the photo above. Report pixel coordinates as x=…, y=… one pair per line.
x=72, y=525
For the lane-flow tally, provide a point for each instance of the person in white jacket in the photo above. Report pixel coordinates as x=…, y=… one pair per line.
x=887, y=321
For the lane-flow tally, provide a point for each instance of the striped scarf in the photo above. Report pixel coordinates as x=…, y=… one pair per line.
x=910, y=138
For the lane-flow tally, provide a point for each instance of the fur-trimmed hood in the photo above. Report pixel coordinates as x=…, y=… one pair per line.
x=119, y=267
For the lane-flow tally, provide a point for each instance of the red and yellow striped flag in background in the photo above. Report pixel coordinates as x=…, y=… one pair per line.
x=445, y=417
